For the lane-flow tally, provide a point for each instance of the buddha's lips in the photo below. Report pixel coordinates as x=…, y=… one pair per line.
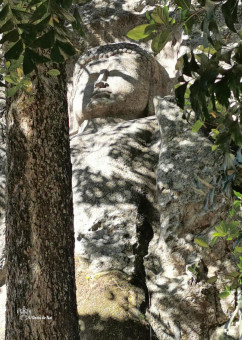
x=101, y=94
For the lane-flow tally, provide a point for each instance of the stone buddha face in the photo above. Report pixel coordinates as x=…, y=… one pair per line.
x=115, y=84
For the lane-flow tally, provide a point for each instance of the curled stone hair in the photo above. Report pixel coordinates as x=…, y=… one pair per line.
x=106, y=51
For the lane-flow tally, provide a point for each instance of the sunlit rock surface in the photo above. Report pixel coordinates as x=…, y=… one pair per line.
x=138, y=207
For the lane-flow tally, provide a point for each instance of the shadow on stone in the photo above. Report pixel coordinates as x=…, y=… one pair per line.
x=93, y=327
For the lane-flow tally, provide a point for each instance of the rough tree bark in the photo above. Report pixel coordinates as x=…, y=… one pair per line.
x=41, y=297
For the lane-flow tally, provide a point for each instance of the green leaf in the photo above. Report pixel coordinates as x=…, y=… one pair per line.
x=220, y=234
x=238, y=54
x=66, y=15
x=34, y=2
x=58, y=10
x=222, y=228
x=197, y=126
x=238, y=194
x=214, y=147
x=11, y=36
x=21, y=15
x=26, y=82
x=229, y=10
x=66, y=3
x=61, y=30
x=227, y=288
x=141, y=31
x=222, y=91
x=240, y=264
x=62, y=38
x=27, y=28
x=7, y=26
x=189, y=24
x=223, y=138
x=213, y=241
x=31, y=58
x=188, y=67
x=9, y=79
x=4, y=13
x=45, y=41
x=233, y=225
x=42, y=24
x=28, y=64
x=212, y=279
x=225, y=56
x=66, y=49
x=193, y=269
x=38, y=58
x=160, y=40
x=223, y=295
x=184, y=14
x=180, y=93
x=11, y=92
x=233, y=274
x=15, y=51
x=161, y=15
x=28, y=37
x=77, y=25
x=55, y=54
x=147, y=15
x=236, y=133
x=201, y=242
x=184, y=4
x=235, y=75
x=234, y=284
x=213, y=27
x=54, y=72
x=237, y=250
x=198, y=97
x=40, y=12
x=236, y=206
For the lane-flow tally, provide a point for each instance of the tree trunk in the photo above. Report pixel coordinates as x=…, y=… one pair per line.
x=41, y=296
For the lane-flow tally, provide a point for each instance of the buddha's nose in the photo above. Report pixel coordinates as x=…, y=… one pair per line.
x=102, y=80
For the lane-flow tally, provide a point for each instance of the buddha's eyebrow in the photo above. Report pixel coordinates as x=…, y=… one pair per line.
x=91, y=64
x=127, y=77
x=115, y=73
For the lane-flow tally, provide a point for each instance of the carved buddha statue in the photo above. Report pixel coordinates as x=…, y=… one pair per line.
x=116, y=80
x=114, y=161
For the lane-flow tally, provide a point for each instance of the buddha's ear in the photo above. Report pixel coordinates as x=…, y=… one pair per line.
x=71, y=91
x=160, y=84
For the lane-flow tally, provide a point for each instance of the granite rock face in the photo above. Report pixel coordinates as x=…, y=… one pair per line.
x=190, y=203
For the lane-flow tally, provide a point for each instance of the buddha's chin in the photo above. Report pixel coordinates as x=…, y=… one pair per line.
x=99, y=102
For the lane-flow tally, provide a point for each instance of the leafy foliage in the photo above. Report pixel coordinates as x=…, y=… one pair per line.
x=230, y=230
x=35, y=32
x=160, y=28
x=210, y=81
